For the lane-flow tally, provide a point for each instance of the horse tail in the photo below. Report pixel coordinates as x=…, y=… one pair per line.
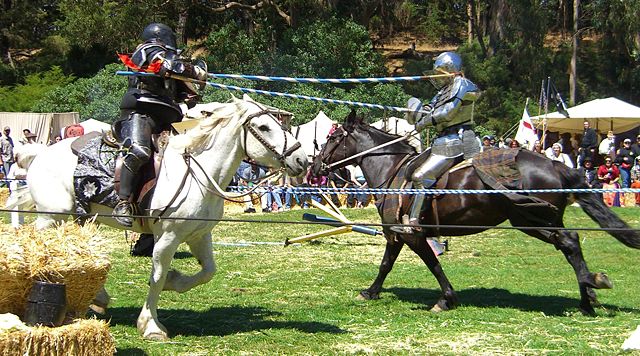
x=594, y=206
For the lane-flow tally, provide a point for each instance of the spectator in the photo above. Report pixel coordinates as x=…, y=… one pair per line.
x=251, y=174
x=514, y=144
x=316, y=181
x=608, y=175
x=334, y=127
x=28, y=137
x=271, y=199
x=556, y=155
x=588, y=144
x=625, y=157
x=242, y=180
x=357, y=200
x=607, y=145
x=492, y=142
x=17, y=181
x=289, y=193
x=636, y=146
x=590, y=174
x=537, y=147
x=486, y=142
x=340, y=178
x=635, y=179
x=6, y=151
x=56, y=140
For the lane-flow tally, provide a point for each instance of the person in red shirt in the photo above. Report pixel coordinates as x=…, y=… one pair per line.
x=608, y=174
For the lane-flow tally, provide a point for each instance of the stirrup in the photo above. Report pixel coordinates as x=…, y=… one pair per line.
x=407, y=229
x=125, y=210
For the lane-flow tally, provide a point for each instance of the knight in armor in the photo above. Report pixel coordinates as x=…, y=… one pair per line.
x=150, y=105
x=450, y=112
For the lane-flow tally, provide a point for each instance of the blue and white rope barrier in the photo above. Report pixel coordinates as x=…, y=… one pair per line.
x=321, y=80
x=396, y=191
x=286, y=95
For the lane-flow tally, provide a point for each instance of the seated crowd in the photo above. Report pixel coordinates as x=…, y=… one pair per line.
x=277, y=194
x=608, y=164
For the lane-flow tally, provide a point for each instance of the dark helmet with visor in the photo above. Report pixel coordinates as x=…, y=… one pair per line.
x=161, y=33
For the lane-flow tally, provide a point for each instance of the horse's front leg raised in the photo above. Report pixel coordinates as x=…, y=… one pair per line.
x=202, y=250
x=148, y=324
x=391, y=253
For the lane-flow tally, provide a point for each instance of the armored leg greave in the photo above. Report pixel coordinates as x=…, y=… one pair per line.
x=426, y=176
x=136, y=132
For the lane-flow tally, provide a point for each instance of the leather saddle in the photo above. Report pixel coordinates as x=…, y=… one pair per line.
x=147, y=176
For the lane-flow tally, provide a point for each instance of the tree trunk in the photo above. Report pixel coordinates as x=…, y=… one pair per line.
x=497, y=19
x=474, y=18
x=573, y=73
x=180, y=28
x=470, y=21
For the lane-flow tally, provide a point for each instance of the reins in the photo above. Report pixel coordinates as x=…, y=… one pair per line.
x=217, y=190
x=360, y=154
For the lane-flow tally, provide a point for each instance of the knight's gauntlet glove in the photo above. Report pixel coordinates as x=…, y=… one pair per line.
x=426, y=121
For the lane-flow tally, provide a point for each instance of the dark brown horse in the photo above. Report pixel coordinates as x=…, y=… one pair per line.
x=381, y=167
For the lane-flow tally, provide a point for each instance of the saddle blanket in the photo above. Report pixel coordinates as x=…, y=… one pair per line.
x=93, y=179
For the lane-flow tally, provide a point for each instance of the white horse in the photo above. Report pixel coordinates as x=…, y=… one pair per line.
x=216, y=146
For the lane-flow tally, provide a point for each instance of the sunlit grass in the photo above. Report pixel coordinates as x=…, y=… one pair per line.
x=518, y=295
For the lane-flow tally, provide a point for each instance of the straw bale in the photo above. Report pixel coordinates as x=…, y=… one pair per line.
x=14, y=272
x=82, y=337
x=77, y=256
x=4, y=195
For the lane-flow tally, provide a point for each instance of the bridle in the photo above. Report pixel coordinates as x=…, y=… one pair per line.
x=217, y=190
x=329, y=167
x=286, y=152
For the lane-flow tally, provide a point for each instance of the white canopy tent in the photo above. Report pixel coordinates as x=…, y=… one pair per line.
x=398, y=126
x=603, y=115
x=46, y=126
x=92, y=125
x=314, y=130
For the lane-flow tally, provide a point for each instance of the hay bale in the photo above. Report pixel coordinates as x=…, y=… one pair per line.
x=82, y=337
x=71, y=254
x=14, y=272
x=4, y=195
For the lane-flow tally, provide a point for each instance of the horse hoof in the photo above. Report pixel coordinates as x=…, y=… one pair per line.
x=365, y=295
x=588, y=311
x=98, y=309
x=602, y=281
x=156, y=336
x=436, y=309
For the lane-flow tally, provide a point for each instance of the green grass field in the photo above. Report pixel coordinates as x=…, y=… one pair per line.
x=518, y=295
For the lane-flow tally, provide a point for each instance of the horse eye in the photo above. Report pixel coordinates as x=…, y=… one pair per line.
x=264, y=128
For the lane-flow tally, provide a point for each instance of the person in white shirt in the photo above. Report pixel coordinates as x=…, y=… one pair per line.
x=607, y=146
x=557, y=155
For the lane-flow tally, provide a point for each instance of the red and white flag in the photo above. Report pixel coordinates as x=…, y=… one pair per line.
x=526, y=134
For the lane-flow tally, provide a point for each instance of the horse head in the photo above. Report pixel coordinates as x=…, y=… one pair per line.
x=343, y=143
x=267, y=141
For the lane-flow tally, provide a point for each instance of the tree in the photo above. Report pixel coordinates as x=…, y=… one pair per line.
x=22, y=97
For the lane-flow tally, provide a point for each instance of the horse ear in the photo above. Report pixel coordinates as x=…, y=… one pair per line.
x=351, y=121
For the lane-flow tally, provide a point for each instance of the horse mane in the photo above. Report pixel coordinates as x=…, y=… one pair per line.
x=213, y=120
x=386, y=137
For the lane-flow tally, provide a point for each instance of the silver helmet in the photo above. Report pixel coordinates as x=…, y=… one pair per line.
x=446, y=62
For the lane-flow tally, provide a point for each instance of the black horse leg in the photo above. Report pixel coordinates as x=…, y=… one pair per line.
x=448, y=300
x=391, y=253
x=569, y=243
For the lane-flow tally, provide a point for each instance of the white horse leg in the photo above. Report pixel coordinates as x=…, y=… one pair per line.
x=202, y=250
x=148, y=324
